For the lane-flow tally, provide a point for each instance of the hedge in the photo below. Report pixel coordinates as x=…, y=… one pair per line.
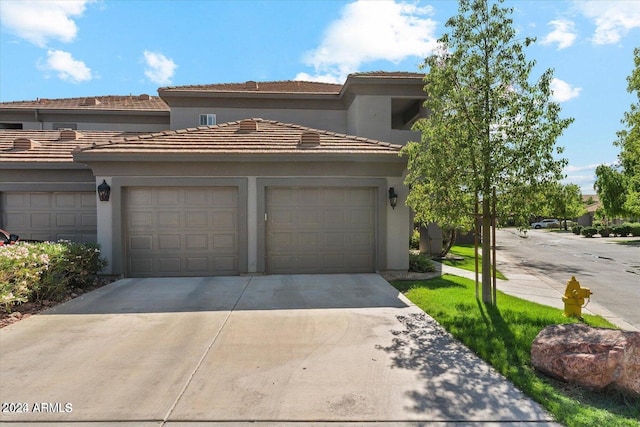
x=31, y=272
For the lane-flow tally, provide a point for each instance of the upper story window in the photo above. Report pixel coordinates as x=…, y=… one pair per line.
x=10, y=125
x=405, y=112
x=207, y=119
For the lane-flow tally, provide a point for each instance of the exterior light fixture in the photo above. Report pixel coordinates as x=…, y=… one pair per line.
x=393, y=198
x=104, y=190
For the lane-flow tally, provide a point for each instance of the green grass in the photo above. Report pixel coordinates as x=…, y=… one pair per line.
x=502, y=336
x=468, y=263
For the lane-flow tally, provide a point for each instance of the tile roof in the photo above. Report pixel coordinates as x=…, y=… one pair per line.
x=250, y=136
x=285, y=86
x=110, y=102
x=47, y=146
x=391, y=74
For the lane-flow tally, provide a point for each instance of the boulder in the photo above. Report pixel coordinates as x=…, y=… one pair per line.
x=594, y=358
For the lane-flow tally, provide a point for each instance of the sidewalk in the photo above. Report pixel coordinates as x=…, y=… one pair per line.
x=533, y=287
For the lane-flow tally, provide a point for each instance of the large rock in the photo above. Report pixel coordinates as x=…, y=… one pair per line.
x=591, y=357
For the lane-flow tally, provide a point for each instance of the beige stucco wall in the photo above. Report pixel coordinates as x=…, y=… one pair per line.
x=332, y=120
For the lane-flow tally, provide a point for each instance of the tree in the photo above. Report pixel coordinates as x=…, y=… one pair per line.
x=611, y=189
x=564, y=201
x=488, y=126
x=629, y=142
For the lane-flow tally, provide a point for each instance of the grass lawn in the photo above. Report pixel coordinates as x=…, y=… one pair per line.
x=469, y=262
x=502, y=336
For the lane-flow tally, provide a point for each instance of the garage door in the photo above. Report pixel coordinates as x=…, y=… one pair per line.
x=320, y=230
x=50, y=216
x=181, y=231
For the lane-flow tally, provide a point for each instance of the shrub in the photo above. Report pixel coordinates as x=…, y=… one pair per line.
x=604, y=231
x=414, y=242
x=634, y=229
x=576, y=229
x=419, y=263
x=46, y=271
x=589, y=231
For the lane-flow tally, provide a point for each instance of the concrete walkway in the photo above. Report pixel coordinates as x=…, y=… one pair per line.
x=233, y=351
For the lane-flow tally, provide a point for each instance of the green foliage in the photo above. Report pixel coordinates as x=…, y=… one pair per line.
x=562, y=201
x=46, y=271
x=620, y=184
x=604, y=231
x=488, y=125
x=576, y=229
x=589, y=231
x=503, y=338
x=634, y=229
x=419, y=263
x=414, y=242
x=611, y=190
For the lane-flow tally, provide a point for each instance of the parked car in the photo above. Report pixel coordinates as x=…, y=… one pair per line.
x=7, y=238
x=546, y=223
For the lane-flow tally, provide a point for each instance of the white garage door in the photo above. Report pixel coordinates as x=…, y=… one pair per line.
x=50, y=216
x=181, y=231
x=320, y=230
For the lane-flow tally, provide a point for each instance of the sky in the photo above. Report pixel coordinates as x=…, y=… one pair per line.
x=65, y=49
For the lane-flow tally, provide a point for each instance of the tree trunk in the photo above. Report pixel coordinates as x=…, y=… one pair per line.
x=486, y=251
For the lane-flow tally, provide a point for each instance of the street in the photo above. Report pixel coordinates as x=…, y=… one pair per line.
x=610, y=269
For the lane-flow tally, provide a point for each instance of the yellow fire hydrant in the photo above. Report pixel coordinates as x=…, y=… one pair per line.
x=574, y=297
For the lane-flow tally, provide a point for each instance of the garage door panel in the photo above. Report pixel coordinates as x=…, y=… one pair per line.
x=196, y=241
x=168, y=197
x=140, y=243
x=66, y=220
x=228, y=242
x=184, y=232
x=140, y=196
x=169, y=265
x=169, y=242
x=88, y=220
x=198, y=219
x=168, y=219
x=226, y=219
x=317, y=230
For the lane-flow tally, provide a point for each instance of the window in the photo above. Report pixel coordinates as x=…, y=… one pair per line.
x=10, y=125
x=405, y=111
x=207, y=119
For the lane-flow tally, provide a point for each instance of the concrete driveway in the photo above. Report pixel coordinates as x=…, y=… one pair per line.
x=236, y=350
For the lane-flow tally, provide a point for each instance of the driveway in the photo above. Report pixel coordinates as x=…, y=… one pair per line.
x=235, y=350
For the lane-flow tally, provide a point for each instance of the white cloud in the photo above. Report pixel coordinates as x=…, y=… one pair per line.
x=159, y=69
x=562, y=91
x=41, y=21
x=370, y=31
x=563, y=34
x=613, y=19
x=67, y=68
x=583, y=176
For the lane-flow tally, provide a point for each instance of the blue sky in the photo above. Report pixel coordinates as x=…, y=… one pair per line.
x=63, y=49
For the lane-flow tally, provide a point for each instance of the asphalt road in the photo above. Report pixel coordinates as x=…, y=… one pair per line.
x=606, y=266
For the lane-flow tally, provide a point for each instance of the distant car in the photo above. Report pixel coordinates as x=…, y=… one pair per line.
x=546, y=223
x=7, y=238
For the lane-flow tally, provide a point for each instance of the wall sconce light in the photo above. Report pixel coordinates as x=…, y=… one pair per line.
x=104, y=190
x=393, y=198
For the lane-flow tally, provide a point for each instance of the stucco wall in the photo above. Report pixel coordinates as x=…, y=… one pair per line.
x=332, y=120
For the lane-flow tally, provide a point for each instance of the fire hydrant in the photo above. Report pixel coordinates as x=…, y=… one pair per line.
x=574, y=297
